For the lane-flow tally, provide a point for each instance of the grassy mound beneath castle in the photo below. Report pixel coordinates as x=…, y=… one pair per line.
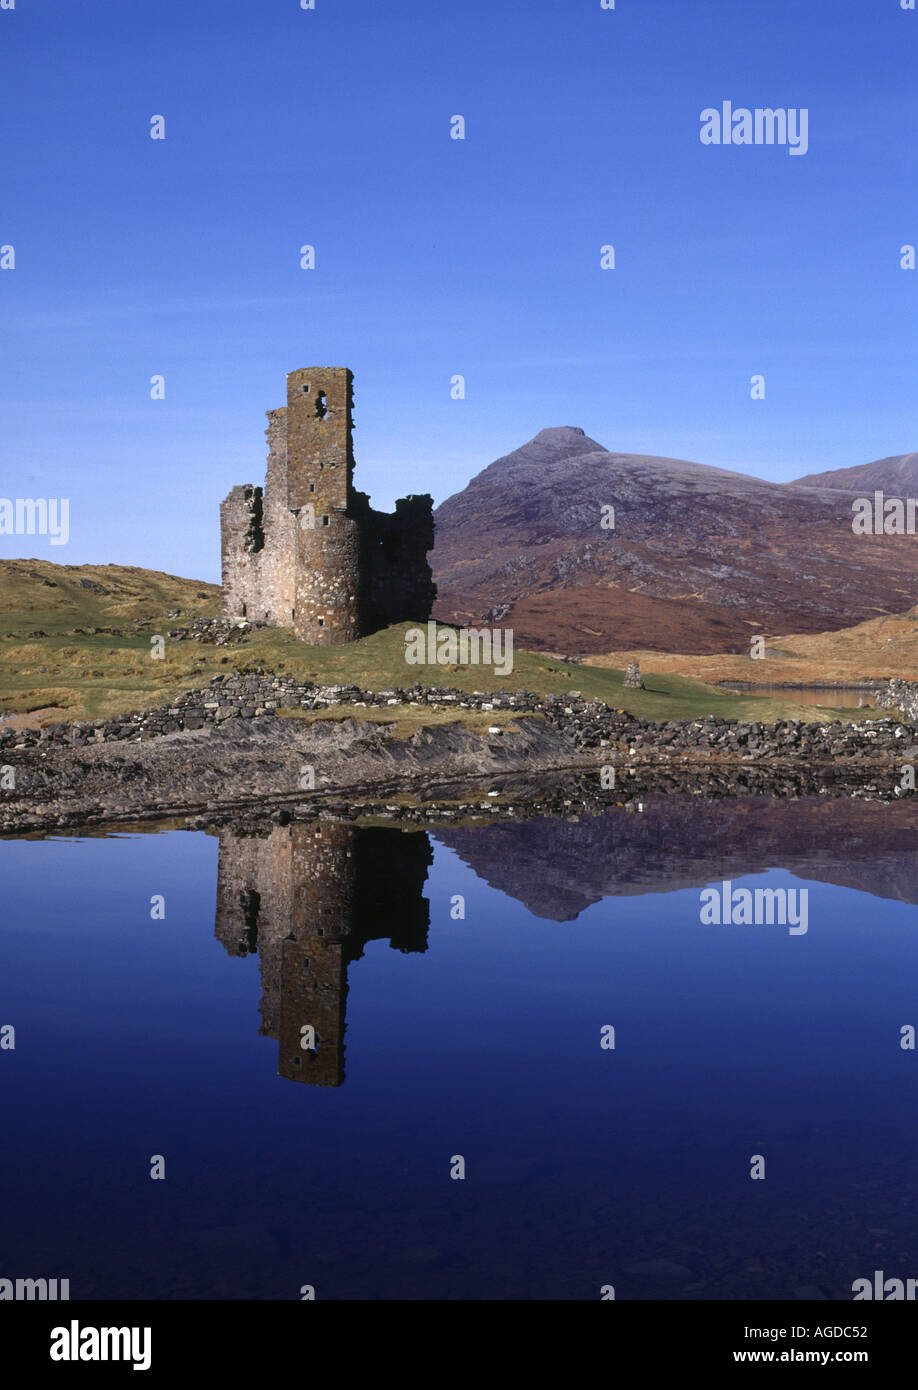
x=378, y=662
x=75, y=643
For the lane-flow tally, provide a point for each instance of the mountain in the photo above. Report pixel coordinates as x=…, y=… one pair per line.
x=560, y=868
x=897, y=476
x=699, y=557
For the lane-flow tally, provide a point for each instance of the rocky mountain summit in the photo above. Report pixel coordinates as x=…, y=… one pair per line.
x=580, y=549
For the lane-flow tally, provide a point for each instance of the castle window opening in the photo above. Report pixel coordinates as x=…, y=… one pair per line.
x=325, y=521
x=321, y=405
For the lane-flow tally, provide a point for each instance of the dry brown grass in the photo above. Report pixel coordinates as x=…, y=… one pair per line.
x=873, y=650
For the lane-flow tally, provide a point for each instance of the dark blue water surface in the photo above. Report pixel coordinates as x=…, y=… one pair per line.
x=476, y=1036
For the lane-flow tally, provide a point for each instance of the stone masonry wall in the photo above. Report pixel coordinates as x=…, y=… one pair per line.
x=277, y=559
x=399, y=582
x=328, y=582
x=309, y=553
x=242, y=539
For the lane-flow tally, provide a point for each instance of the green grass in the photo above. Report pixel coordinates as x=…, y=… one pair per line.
x=407, y=722
x=89, y=675
x=82, y=675
x=37, y=593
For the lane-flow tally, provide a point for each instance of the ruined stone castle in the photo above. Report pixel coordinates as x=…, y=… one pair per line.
x=307, y=551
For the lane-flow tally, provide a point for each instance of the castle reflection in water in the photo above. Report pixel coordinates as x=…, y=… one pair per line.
x=307, y=899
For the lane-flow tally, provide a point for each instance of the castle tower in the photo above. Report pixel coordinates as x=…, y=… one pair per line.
x=320, y=458
x=307, y=551
x=320, y=464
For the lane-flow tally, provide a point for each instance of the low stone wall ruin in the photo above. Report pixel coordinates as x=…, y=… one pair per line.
x=588, y=724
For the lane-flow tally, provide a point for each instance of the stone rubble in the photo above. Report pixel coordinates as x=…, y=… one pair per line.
x=216, y=632
x=587, y=724
x=898, y=695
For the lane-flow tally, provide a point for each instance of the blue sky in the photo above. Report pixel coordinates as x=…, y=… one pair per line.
x=435, y=256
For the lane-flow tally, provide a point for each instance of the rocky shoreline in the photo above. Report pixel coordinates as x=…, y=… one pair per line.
x=226, y=749
x=588, y=723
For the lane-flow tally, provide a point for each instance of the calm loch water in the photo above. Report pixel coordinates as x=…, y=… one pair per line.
x=826, y=697
x=459, y=983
